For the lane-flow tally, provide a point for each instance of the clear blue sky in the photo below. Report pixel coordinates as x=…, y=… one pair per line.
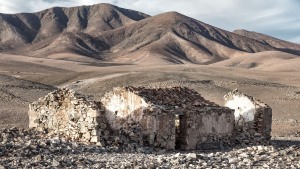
x=278, y=18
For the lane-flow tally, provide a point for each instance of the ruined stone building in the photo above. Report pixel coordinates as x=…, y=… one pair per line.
x=252, y=116
x=166, y=118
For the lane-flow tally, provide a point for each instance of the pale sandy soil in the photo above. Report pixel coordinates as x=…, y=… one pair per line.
x=24, y=79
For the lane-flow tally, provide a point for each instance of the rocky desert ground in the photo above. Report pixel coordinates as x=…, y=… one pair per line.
x=91, y=52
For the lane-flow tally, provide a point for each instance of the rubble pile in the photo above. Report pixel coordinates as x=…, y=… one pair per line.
x=174, y=97
x=27, y=148
x=253, y=118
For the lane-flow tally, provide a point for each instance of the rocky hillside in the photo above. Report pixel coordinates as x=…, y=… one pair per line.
x=281, y=45
x=31, y=28
x=110, y=33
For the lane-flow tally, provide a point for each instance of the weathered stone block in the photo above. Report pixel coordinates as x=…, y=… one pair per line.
x=93, y=113
x=95, y=139
x=87, y=135
x=33, y=121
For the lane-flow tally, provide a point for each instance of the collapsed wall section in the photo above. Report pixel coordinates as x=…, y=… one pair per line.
x=253, y=118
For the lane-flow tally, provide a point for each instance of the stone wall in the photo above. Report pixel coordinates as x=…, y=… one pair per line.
x=124, y=107
x=206, y=126
x=253, y=118
x=64, y=112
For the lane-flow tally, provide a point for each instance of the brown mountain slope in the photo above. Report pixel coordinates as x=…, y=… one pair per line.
x=27, y=28
x=111, y=33
x=181, y=38
x=277, y=43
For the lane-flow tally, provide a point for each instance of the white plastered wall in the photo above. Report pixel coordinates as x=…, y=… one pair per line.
x=123, y=106
x=243, y=106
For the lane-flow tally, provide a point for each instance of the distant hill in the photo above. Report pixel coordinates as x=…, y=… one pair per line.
x=110, y=33
x=277, y=43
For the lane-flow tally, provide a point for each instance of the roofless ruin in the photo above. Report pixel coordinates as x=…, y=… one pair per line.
x=165, y=118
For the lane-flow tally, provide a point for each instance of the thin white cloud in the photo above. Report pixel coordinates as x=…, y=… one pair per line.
x=279, y=18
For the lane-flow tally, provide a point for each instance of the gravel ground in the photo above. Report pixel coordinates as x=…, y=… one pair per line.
x=23, y=148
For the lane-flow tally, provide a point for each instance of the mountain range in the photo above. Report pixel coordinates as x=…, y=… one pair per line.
x=112, y=34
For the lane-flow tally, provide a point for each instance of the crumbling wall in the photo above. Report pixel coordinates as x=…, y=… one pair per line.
x=124, y=107
x=206, y=126
x=253, y=118
x=63, y=112
x=159, y=129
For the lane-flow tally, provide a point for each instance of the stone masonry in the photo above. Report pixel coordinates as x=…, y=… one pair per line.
x=64, y=112
x=206, y=126
x=253, y=118
x=124, y=107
